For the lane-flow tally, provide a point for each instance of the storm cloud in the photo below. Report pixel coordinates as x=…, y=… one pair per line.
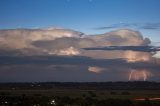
x=67, y=55
x=52, y=41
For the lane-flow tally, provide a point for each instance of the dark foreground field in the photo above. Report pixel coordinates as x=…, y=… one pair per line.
x=80, y=94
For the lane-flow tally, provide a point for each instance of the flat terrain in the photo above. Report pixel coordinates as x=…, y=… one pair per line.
x=72, y=93
x=101, y=94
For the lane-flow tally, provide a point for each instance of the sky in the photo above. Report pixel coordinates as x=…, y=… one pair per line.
x=79, y=40
x=81, y=15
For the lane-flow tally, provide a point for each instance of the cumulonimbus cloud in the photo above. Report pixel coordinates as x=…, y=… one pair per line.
x=69, y=42
x=56, y=50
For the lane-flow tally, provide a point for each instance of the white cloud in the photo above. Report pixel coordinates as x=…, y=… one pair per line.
x=95, y=69
x=22, y=38
x=157, y=55
x=123, y=37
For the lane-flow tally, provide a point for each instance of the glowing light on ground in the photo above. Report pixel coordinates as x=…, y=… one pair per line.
x=53, y=102
x=142, y=99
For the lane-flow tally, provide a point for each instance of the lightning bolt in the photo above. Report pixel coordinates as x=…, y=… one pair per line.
x=130, y=75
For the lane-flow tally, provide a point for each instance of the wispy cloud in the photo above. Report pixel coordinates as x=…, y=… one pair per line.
x=150, y=26
x=118, y=25
x=147, y=26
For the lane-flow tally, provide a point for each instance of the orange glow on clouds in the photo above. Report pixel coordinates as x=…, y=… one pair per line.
x=132, y=56
x=95, y=69
x=68, y=51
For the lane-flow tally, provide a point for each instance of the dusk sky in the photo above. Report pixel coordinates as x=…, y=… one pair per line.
x=79, y=40
x=81, y=15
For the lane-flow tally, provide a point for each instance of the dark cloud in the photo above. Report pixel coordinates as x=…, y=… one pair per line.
x=75, y=68
x=133, y=48
x=73, y=60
